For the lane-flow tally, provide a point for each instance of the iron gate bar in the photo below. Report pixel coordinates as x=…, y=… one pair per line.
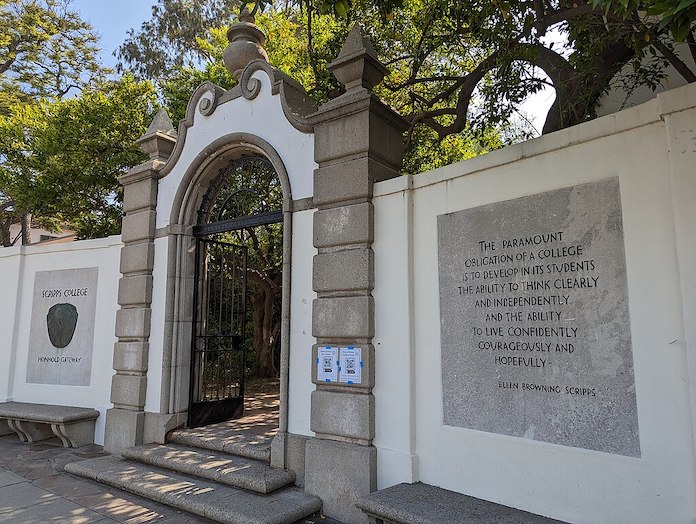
x=270, y=217
x=219, y=325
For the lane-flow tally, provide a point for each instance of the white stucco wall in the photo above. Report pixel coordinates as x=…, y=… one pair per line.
x=155, y=357
x=572, y=484
x=18, y=266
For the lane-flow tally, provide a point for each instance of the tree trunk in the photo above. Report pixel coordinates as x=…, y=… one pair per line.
x=26, y=228
x=5, y=233
x=263, y=327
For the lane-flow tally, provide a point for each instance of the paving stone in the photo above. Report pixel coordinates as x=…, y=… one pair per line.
x=7, y=478
x=215, y=501
x=22, y=495
x=58, y=510
x=227, y=469
x=69, y=487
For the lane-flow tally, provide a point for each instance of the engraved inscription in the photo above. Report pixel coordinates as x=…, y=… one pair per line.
x=534, y=319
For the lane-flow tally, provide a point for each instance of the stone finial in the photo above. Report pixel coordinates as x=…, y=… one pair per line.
x=246, y=44
x=357, y=64
x=159, y=139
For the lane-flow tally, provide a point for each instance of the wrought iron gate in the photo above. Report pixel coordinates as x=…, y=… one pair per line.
x=246, y=193
x=219, y=332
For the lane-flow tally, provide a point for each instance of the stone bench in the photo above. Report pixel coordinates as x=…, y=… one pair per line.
x=73, y=426
x=425, y=504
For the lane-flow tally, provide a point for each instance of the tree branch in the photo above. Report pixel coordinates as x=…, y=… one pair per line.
x=560, y=15
x=677, y=62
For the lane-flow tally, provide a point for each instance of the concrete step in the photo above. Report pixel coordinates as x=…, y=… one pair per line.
x=249, y=446
x=227, y=469
x=211, y=500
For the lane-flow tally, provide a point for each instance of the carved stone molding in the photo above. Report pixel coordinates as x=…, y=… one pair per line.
x=295, y=102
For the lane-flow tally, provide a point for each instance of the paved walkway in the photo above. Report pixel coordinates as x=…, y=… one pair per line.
x=35, y=489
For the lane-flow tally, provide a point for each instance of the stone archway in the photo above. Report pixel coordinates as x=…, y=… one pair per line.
x=181, y=265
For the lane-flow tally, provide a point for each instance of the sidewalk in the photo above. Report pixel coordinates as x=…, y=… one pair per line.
x=34, y=489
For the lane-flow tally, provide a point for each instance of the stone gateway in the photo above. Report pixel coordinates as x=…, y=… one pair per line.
x=511, y=333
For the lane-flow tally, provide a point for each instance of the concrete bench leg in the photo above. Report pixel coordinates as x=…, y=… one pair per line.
x=76, y=434
x=5, y=428
x=30, y=431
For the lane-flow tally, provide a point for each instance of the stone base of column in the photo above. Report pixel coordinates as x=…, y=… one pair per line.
x=124, y=429
x=157, y=425
x=340, y=473
x=288, y=452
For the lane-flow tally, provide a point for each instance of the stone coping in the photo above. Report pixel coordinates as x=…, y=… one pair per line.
x=46, y=413
x=424, y=504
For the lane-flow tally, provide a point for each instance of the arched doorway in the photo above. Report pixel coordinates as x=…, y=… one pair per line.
x=237, y=305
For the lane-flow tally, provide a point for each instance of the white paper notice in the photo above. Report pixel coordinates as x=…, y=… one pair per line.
x=327, y=364
x=350, y=370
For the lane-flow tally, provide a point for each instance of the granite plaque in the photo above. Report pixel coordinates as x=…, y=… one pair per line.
x=62, y=327
x=534, y=313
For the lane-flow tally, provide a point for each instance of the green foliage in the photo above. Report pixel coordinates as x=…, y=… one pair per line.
x=61, y=159
x=250, y=187
x=288, y=50
x=432, y=152
x=511, y=56
x=169, y=40
x=45, y=51
x=178, y=88
x=305, y=59
x=677, y=16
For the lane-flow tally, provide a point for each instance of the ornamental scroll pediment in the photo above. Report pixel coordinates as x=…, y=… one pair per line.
x=206, y=99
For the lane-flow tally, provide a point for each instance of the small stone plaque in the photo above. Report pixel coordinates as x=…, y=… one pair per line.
x=534, y=313
x=62, y=327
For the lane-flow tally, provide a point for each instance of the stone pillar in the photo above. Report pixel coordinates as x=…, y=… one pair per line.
x=358, y=141
x=125, y=421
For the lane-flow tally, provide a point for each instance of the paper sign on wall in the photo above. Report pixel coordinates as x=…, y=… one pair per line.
x=327, y=364
x=350, y=368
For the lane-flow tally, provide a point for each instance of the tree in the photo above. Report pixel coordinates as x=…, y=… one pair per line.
x=46, y=50
x=511, y=55
x=169, y=40
x=245, y=187
x=675, y=16
x=61, y=159
x=471, y=63
x=301, y=42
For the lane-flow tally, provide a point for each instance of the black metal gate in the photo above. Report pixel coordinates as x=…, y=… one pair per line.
x=245, y=194
x=219, y=332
